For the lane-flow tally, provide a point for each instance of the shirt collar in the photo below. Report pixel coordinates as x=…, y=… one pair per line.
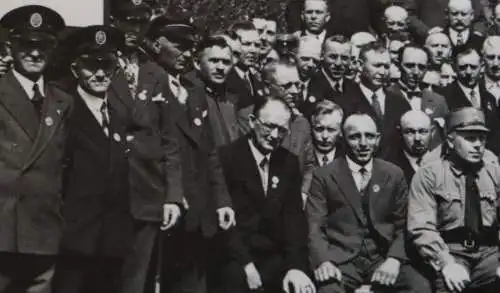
x=27, y=84
x=411, y=159
x=93, y=102
x=467, y=90
x=258, y=156
x=330, y=155
x=454, y=34
x=240, y=72
x=332, y=82
x=320, y=36
x=369, y=93
x=489, y=83
x=354, y=167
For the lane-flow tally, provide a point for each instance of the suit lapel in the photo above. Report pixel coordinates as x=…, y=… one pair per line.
x=251, y=171
x=376, y=185
x=119, y=88
x=16, y=101
x=346, y=183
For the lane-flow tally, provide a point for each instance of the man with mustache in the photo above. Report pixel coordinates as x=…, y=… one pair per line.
x=326, y=123
x=244, y=80
x=395, y=23
x=460, y=29
x=415, y=133
x=467, y=91
x=356, y=213
x=439, y=46
x=98, y=231
x=491, y=56
x=329, y=82
x=371, y=97
x=453, y=209
x=33, y=119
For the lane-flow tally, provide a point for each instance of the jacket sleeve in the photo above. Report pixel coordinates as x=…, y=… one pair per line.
x=317, y=213
x=422, y=221
x=397, y=247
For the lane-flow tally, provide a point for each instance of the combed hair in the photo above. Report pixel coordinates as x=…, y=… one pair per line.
x=466, y=50
x=269, y=71
x=241, y=26
x=376, y=46
x=303, y=2
x=413, y=46
x=326, y=107
x=262, y=101
x=212, y=41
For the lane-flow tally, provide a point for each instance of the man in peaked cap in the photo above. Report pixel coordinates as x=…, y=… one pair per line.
x=453, y=209
x=32, y=114
x=96, y=208
x=209, y=205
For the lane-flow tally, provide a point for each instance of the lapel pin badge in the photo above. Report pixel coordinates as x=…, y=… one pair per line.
x=489, y=106
x=204, y=114
x=117, y=137
x=376, y=188
x=159, y=98
x=49, y=121
x=312, y=99
x=197, y=121
x=142, y=95
x=428, y=111
x=129, y=138
x=58, y=111
x=275, y=180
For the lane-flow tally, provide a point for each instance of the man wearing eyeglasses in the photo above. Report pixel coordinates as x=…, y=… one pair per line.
x=96, y=210
x=33, y=115
x=267, y=249
x=467, y=91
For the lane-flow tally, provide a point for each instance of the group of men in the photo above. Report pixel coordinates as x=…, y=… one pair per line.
x=342, y=157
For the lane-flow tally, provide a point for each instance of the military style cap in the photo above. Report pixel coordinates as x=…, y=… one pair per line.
x=97, y=40
x=131, y=10
x=176, y=29
x=466, y=119
x=26, y=20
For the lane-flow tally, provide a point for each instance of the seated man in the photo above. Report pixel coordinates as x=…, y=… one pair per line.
x=453, y=209
x=362, y=242
x=267, y=247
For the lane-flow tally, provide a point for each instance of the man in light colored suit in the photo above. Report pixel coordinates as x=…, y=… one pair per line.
x=362, y=242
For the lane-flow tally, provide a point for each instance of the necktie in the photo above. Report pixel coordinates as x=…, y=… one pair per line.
x=376, y=106
x=419, y=161
x=249, y=82
x=324, y=160
x=179, y=91
x=365, y=177
x=337, y=88
x=263, y=173
x=473, y=219
x=460, y=39
x=37, y=99
x=105, y=119
x=474, y=99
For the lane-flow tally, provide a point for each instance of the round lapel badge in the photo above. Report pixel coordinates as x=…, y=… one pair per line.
x=376, y=188
x=312, y=99
x=117, y=137
x=49, y=121
x=137, y=2
x=428, y=111
x=197, y=121
x=36, y=20
x=204, y=114
x=100, y=38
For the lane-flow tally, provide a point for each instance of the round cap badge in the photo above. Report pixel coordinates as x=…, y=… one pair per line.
x=100, y=38
x=36, y=20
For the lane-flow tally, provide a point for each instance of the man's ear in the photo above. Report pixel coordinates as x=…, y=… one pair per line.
x=328, y=17
x=251, y=120
x=7, y=46
x=156, y=46
x=196, y=63
x=73, y=68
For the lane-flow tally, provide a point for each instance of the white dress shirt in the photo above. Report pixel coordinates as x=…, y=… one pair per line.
x=330, y=156
x=263, y=171
x=333, y=83
x=27, y=84
x=321, y=36
x=177, y=88
x=412, y=160
x=368, y=93
x=94, y=104
x=415, y=102
x=356, y=174
x=467, y=92
x=454, y=36
x=493, y=87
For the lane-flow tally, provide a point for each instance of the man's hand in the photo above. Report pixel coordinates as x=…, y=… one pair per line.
x=387, y=273
x=226, y=218
x=171, y=215
x=326, y=271
x=455, y=276
x=253, y=277
x=5, y=64
x=300, y=282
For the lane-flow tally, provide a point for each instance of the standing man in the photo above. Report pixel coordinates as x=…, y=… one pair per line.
x=207, y=203
x=356, y=212
x=467, y=91
x=308, y=58
x=33, y=115
x=460, y=29
x=395, y=24
x=267, y=247
x=416, y=130
x=326, y=123
x=491, y=55
x=315, y=17
x=453, y=209
x=369, y=95
x=439, y=46
x=98, y=230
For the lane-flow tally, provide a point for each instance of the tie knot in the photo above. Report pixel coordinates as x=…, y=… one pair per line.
x=104, y=106
x=363, y=171
x=37, y=95
x=175, y=82
x=263, y=163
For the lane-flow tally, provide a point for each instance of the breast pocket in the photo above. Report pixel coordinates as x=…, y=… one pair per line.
x=450, y=205
x=489, y=199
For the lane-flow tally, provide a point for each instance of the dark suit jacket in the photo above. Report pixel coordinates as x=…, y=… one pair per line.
x=339, y=152
x=336, y=217
x=240, y=89
x=267, y=224
x=204, y=185
x=154, y=157
x=31, y=160
x=398, y=158
x=394, y=108
x=456, y=98
x=96, y=202
x=475, y=41
x=319, y=89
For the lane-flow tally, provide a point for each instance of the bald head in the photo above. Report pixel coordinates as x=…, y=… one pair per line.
x=360, y=39
x=460, y=5
x=361, y=136
x=460, y=14
x=396, y=13
x=416, y=131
